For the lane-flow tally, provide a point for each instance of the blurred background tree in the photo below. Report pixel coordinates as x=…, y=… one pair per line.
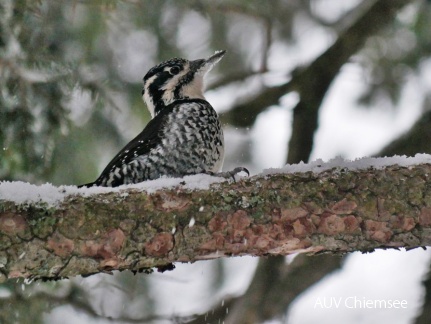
x=310, y=78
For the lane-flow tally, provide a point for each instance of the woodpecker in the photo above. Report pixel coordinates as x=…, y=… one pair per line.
x=183, y=137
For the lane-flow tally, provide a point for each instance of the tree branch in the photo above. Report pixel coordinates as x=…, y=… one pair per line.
x=280, y=283
x=417, y=139
x=425, y=316
x=313, y=81
x=279, y=214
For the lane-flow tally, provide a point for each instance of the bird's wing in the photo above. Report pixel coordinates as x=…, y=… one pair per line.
x=142, y=144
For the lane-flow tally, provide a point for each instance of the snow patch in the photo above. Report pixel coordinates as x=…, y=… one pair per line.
x=23, y=192
x=192, y=222
x=319, y=165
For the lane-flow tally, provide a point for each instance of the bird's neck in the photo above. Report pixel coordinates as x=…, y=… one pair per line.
x=168, y=99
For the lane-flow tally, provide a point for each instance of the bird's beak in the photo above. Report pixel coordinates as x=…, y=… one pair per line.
x=203, y=66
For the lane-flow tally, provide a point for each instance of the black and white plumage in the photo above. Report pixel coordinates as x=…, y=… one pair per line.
x=185, y=135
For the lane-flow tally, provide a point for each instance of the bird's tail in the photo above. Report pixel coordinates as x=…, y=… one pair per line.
x=87, y=185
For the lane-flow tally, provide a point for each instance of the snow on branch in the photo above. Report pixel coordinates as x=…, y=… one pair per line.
x=336, y=207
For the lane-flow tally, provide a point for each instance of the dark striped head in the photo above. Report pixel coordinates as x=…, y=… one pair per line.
x=176, y=79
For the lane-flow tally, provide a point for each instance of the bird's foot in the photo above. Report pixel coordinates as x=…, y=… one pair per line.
x=231, y=174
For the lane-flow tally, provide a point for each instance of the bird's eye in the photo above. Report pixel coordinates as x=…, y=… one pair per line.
x=174, y=70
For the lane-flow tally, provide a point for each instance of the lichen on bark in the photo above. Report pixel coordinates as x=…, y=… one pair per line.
x=335, y=211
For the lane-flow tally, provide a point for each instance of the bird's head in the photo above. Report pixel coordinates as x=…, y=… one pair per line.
x=176, y=79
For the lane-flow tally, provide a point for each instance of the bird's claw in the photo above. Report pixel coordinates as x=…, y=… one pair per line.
x=231, y=174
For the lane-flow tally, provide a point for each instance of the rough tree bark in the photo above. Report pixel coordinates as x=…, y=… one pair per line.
x=334, y=211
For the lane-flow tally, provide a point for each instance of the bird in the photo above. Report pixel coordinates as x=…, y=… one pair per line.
x=184, y=136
